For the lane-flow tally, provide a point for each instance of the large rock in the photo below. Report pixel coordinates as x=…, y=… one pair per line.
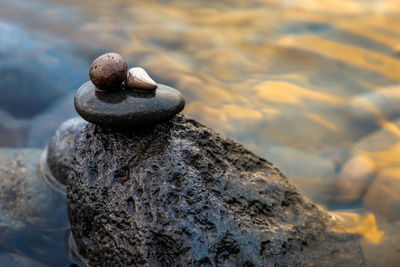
x=180, y=194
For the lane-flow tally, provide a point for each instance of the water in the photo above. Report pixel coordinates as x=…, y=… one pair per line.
x=311, y=85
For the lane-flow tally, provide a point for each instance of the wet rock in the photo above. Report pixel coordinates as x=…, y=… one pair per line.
x=380, y=140
x=127, y=108
x=139, y=79
x=375, y=105
x=13, y=260
x=383, y=196
x=13, y=131
x=34, y=221
x=380, y=171
x=60, y=148
x=354, y=178
x=180, y=194
x=108, y=71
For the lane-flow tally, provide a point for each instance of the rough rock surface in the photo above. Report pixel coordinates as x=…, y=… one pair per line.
x=60, y=148
x=180, y=194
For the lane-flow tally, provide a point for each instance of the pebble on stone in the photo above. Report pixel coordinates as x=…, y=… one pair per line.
x=139, y=79
x=108, y=71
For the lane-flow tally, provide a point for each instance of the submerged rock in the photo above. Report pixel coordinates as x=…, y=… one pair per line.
x=383, y=196
x=13, y=131
x=354, y=178
x=33, y=216
x=13, y=260
x=379, y=174
x=375, y=105
x=180, y=194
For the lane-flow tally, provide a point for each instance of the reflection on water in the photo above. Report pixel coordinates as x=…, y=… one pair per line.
x=355, y=224
x=311, y=85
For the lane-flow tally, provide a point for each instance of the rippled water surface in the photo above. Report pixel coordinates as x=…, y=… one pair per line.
x=311, y=85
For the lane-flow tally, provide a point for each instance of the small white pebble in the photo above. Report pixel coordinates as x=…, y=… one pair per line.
x=139, y=79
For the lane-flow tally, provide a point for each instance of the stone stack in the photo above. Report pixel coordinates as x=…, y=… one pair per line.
x=148, y=188
x=118, y=98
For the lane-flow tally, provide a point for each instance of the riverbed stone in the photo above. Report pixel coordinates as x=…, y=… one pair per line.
x=380, y=140
x=375, y=105
x=381, y=193
x=13, y=131
x=355, y=176
x=33, y=215
x=383, y=196
x=180, y=194
x=14, y=260
x=127, y=108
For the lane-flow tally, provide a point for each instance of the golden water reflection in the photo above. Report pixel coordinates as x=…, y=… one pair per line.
x=311, y=85
x=365, y=226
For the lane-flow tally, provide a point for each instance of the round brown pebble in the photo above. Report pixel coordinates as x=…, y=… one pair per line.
x=108, y=71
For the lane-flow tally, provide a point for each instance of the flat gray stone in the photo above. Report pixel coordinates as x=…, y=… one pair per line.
x=127, y=108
